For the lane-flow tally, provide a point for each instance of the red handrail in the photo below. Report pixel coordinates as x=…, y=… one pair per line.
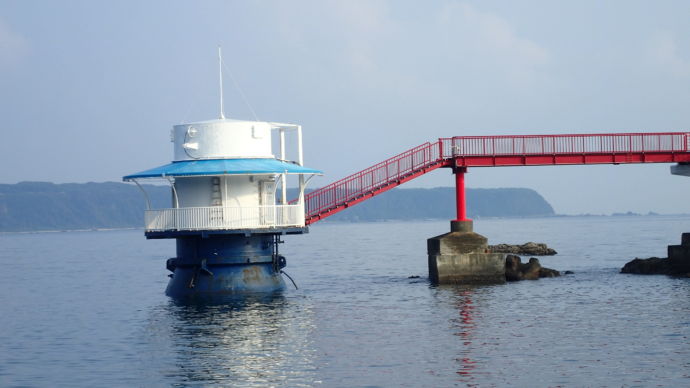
x=565, y=144
x=573, y=149
x=381, y=174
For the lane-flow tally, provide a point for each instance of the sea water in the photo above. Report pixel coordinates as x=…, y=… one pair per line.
x=84, y=309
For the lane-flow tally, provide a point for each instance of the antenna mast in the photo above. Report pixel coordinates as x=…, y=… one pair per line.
x=220, y=76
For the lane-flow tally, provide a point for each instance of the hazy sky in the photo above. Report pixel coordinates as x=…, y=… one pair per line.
x=89, y=89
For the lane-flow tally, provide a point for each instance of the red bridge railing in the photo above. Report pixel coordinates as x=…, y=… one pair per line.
x=394, y=171
x=566, y=144
x=467, y=151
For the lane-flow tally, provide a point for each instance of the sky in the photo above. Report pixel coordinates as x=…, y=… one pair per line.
x=89, y=90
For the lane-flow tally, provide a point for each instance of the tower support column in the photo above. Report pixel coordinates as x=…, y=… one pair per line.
x=462, y=256
x=460, y=198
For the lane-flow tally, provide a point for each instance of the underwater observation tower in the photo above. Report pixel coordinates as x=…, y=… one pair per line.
x=225, y=214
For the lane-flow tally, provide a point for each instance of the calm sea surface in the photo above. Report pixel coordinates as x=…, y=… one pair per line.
x=86, y=309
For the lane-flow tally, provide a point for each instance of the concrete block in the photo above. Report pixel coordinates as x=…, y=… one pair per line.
x=679, y=258
x=685, y=240
x=457, y=242
x=462, y=257
x=681, y=169
x=461, y=226
x=679, y=251
x=467, y=268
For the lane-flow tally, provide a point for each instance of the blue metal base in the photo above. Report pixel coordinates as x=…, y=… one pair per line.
x=225, y=265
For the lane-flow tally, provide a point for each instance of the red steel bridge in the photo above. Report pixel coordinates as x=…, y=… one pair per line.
x=461, y=152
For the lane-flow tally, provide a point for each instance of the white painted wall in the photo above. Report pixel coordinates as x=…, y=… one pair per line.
x=225, y=139
x=222, y=139
x=240, y=190
x=236, y=190
x=193, y=191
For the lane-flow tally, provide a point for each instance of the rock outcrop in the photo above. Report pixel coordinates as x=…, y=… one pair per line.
x=532, y=270
x=530, y=248
x=650, y=266
x=677, y=263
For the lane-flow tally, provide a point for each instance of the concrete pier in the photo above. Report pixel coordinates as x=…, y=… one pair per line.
x=682, y=169
x=679, y=255
x=462, y=257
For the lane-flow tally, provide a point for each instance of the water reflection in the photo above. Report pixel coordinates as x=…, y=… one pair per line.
x=250, y=341
x=465, y=327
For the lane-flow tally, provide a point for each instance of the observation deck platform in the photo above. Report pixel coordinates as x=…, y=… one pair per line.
x=165, y=223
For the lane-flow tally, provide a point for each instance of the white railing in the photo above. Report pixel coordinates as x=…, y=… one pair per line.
x=221, y=218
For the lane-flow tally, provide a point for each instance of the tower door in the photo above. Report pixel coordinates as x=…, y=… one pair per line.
x=216, y=211
x=268, y=193
x=267, y=202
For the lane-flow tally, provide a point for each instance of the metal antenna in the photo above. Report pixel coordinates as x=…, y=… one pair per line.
x=220, y=74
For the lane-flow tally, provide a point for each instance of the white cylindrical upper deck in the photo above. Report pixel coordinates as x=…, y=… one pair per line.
x=222, y=139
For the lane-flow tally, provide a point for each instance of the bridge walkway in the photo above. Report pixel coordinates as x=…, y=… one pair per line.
x=461, y=152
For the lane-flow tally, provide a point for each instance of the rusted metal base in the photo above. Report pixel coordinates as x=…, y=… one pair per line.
x=225, y=264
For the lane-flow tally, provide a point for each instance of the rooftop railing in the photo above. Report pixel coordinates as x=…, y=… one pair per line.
x=224, y=218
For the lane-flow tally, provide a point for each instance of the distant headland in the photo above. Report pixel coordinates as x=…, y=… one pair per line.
x=38, y=206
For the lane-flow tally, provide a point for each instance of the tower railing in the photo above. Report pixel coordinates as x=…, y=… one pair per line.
x=224, y=218
x=618, y=143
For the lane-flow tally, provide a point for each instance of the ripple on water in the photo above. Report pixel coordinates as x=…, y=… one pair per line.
x=95, y=315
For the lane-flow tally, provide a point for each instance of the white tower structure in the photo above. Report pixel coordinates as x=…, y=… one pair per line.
x=225, y=212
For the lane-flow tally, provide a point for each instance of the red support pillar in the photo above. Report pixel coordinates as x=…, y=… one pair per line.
x=460, y=201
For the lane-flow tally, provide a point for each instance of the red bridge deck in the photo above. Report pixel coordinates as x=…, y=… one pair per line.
x=492, y=151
